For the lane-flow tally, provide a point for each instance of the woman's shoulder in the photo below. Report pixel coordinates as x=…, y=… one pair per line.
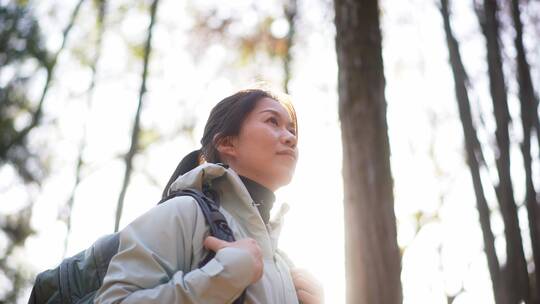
x=180, y=210
x=181, y=204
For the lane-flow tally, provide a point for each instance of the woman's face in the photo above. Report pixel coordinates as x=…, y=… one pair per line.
x=265, y=150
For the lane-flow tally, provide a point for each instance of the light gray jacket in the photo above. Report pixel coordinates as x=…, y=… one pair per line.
x=159, y=252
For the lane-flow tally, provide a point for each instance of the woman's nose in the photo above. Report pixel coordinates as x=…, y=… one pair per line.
x=289, y=139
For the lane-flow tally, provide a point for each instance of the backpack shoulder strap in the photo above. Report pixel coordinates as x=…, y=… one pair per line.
x=216, y=221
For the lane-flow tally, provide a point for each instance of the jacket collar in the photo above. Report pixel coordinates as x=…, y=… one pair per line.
x=262, y=197
x=237, y=202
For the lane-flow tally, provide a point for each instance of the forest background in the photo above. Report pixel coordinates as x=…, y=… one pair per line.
x=99, y=100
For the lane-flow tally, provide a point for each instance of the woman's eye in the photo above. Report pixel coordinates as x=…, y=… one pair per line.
x=273, y=120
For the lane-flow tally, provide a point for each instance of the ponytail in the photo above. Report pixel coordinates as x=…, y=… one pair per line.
x=188, y=163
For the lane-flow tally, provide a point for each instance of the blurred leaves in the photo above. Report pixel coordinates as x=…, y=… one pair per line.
x=21, y=44
x=137, y=50
x=147, y=137
x=16, y=227
x=20, y=36
x=218, y=27
x=22, y=55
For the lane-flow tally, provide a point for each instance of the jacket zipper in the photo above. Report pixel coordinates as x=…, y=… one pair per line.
x=283, y=297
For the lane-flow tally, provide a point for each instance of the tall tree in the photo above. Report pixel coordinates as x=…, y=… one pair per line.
x=136, y=124
x=372, y=258
x=474, y=155
x=511, y=280
x=529, y=117
x=516, y=266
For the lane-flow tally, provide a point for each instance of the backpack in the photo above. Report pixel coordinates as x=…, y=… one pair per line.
x=77, y=278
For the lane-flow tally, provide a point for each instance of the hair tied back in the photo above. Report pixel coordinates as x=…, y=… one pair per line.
x=188, y=163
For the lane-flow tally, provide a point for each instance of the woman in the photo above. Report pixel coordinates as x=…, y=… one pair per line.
x=248, y=152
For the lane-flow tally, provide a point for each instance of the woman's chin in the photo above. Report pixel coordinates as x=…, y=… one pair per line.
x=285, y=179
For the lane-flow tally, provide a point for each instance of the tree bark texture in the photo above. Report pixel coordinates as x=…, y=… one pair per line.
x=373, y=263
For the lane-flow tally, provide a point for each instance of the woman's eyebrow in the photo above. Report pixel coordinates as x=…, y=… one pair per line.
x=291, y=124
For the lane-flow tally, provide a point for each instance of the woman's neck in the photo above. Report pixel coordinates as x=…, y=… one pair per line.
x=263, y=197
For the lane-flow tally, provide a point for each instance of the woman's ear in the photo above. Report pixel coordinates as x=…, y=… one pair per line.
x=226, y=146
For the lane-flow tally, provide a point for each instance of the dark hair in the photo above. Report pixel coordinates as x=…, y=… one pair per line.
x=226, y=119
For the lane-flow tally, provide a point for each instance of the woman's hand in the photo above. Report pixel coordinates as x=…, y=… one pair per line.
x=308, y=289
x=248, y=244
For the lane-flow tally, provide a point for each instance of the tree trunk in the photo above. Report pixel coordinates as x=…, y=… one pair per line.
x=373, y=263
x=136, y=124
x=516, y=266
x=528, y=115
x=474, y=155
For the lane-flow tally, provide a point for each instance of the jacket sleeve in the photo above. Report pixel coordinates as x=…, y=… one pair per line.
x=155, y=256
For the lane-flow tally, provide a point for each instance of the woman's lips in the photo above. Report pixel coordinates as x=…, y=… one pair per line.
x=289, y=153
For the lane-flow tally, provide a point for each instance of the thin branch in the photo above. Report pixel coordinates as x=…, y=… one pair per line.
x=50, y=66
x=136, y=125
x=82, y=144
x=290, y=10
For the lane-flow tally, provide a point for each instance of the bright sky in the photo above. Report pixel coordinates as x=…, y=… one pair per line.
x=430, y=175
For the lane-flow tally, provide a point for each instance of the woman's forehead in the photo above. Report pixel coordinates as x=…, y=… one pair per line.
x=268, y=105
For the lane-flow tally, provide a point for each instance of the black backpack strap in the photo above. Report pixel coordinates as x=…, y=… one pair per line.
x=219, y=227
x=210, y=208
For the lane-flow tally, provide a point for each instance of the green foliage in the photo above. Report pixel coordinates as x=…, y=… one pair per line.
x=147, y=137
x=259, y=40
x=82, y=54
x=20, y=36
x=20, y=43
x=137, y=50
x=16, y=228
